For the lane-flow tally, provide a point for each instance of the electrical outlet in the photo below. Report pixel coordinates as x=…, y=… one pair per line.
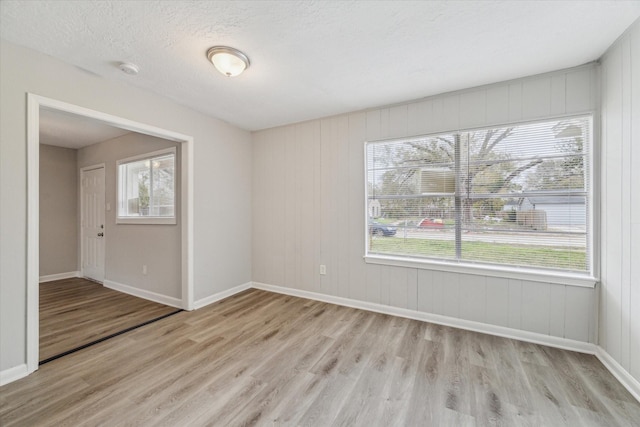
x=144, y=269
x=323, y=269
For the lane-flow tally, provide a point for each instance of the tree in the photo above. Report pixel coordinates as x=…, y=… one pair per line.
x=567, y=171
x=143, y=192
x=487, y=170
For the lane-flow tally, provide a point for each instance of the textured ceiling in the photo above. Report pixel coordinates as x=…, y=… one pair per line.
x=311, y=59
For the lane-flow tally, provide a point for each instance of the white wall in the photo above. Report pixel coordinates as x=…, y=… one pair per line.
x=130, y=246
x=222, y=225
x=58, y=210
x=619, y=326
x=308, y=203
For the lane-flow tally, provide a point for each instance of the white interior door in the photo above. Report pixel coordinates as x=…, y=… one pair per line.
x=92, y=223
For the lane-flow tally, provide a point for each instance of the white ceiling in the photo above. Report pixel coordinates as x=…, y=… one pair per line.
x=312, y=59
x=73, y=131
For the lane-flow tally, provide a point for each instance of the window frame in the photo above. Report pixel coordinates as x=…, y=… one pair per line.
x=587, y=279
x=154, y=220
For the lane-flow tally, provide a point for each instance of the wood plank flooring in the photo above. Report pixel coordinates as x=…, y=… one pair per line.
x=74, y=312
x=259, y=358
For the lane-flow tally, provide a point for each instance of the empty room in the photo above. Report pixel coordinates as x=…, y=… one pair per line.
x=358, y=213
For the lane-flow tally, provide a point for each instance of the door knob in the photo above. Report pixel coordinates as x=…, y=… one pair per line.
x=100, y=234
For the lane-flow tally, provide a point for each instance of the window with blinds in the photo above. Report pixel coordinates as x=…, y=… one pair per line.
x=516, y=196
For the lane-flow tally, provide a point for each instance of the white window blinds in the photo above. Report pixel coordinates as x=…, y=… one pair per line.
x=516, y=196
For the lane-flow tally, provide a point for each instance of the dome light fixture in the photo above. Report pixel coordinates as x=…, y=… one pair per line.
x=229, y=61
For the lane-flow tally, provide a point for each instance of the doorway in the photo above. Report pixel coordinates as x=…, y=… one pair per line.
x=35, y=105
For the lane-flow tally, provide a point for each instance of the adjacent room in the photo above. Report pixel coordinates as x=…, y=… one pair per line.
x=320, y=213
x=90, y=284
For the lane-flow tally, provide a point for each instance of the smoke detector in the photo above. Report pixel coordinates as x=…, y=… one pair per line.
x=129, y=68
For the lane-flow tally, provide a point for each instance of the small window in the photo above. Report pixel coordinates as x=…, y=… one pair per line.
x=146, y=188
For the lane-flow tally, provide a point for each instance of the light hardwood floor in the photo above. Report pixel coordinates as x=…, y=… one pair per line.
x=74, y=312
x=259, y=358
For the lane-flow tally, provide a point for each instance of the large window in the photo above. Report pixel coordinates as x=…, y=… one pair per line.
x=516, y=196
x=146, y=188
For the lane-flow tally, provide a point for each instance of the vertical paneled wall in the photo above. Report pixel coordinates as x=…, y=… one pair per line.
x=308, y=208
x=620, y=207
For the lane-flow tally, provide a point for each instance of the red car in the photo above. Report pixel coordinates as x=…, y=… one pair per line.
x=431, y=223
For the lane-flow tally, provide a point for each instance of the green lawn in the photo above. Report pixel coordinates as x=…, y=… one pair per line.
x=535, y=256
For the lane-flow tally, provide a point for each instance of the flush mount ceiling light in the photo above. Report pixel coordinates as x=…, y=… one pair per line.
x=229, y=61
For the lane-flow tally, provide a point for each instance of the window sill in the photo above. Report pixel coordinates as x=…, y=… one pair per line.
x=567, y=279
x=147, y=220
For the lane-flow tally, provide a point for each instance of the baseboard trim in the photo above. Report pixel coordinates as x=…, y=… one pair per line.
x=501, y=331
x=625, y=378
x=141, y=293
x=13, y=374
x=59, y=276
x=221, y=295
